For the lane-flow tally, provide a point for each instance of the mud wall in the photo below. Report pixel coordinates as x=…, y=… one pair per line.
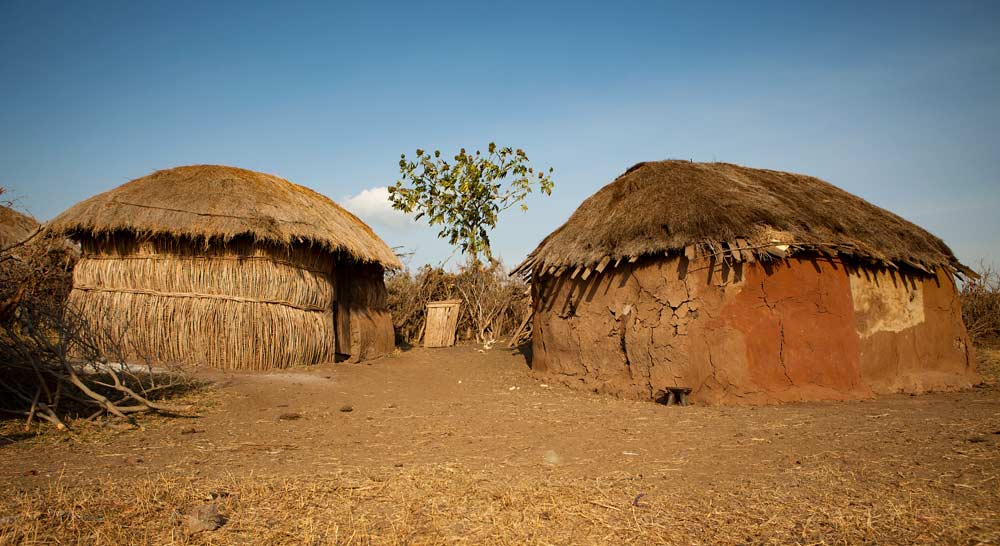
x=911, y=334
x=363, y=323
x=799, y=329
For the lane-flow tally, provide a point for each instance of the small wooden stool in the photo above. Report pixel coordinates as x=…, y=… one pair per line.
x=673, y=396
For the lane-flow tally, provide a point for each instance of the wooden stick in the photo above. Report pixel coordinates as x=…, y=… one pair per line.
x=31, y=413
x=517, y=333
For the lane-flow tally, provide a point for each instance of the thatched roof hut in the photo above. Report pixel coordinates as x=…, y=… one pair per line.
x=720, y=209
x=15, y=227
x=228, y=267
x=744, y=284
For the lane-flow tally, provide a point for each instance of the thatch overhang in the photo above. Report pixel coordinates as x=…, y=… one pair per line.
x=214, y=203
x=730, y=212
x=15, y=227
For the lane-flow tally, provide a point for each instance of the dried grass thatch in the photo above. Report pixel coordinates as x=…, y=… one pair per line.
x=217, y=265
x=724, y=210
x=242, y=305
x=15, y=227
x=204, y=202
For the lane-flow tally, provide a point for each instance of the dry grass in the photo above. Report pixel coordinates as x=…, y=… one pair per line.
x=981, y=304
x=448, y=504
x=14, y=226
x=989, y=361
x=493, y=303
x=242, y=305
x=241, y=270
x=732, y=212
x=210, y=203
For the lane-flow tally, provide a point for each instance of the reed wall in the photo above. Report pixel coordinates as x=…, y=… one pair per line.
x=237, y=305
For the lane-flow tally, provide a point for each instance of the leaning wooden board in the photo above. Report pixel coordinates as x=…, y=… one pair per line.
x=442, y=321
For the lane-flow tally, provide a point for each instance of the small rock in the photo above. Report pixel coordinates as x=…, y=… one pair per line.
x=291, y=416
x=191, y=430
x=977, y=439
x=552, y=458
x=205, y=517
x=347, y=408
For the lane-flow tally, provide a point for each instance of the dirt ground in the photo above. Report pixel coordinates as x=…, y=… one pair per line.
x=462, y=446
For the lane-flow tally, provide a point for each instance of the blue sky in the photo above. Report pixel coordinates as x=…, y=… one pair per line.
x=896, y=102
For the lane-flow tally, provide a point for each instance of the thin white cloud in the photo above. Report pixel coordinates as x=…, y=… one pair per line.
x=373, y=206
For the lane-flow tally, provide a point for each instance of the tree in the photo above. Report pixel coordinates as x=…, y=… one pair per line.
x=467, y=197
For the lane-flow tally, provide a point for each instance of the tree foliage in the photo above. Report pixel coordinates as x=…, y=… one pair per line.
x=466, y=197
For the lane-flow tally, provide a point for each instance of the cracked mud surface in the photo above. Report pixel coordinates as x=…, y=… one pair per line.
x=798, y=329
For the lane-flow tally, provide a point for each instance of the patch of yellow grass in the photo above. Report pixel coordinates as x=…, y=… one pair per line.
x=449, y=504
x=989, y=363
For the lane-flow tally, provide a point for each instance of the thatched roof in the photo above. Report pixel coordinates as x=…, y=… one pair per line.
x=215, y=202
x=14, y=227
x=739, y=213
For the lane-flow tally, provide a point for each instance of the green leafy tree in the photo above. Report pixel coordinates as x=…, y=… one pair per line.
x=466, y=197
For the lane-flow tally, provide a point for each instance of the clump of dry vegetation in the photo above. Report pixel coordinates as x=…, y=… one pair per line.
x=981, y=313
x=494, y=304
x=51, y=365
x=981, y=304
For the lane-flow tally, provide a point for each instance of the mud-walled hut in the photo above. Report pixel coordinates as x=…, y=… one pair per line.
x=740, y=285
x=227, y=267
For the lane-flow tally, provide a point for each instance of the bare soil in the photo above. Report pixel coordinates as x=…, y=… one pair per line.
x=463, y=446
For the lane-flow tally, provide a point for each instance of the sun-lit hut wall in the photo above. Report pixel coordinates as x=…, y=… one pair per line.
x=235, y=305
x=216, y=265
x=745, y=286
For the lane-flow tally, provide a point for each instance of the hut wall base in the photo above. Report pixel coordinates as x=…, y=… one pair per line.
x=748, y=334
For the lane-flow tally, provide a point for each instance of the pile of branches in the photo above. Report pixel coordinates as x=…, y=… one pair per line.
x=494, y=305
x=981, y=304
x=50, y=365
